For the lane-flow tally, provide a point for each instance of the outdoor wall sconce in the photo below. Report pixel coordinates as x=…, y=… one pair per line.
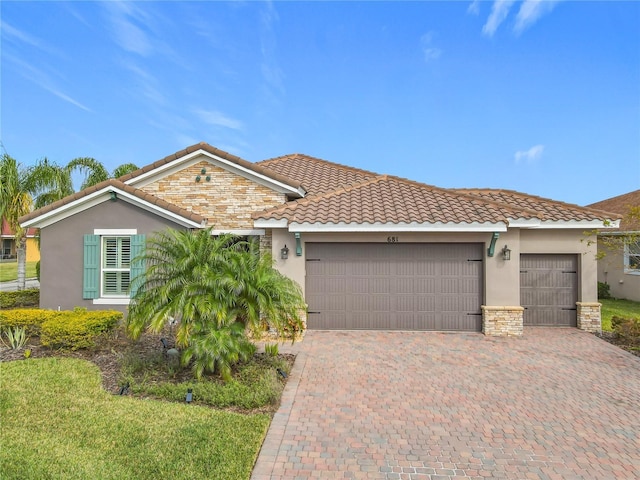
x=284, y=252
x=506, y=253
x=189, y=397
x=298, y=245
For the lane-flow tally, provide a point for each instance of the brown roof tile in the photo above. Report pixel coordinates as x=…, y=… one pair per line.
x=388, y=199
x=318, y=176
x=121, y=186
x=622, y=205
x=545, y=208
x=279, y=177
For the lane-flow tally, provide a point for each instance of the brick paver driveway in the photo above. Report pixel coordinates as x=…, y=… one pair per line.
x=553, y=404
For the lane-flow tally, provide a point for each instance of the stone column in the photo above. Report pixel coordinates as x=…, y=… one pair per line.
x=589, y=318
x=502, y=321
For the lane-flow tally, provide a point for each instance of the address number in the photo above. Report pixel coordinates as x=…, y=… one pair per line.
x=393, y=239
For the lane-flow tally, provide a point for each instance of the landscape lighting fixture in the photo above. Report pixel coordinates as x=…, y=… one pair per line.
x=189, y=396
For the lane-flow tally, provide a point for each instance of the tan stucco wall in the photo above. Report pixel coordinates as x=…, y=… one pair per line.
x=567, y=241
x=227, y=200
x=611, y=271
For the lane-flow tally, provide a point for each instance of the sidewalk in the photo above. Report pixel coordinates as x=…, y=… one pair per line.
x=12, y=286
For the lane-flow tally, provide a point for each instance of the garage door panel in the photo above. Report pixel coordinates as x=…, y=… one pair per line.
x=395, y=286
x=548, y=289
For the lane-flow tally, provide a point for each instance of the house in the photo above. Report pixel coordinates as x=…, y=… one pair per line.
x=619, y=250
x=370, y=251
x=9, y=244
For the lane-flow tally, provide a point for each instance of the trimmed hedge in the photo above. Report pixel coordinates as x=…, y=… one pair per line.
x=67, y=329
x=21, y=298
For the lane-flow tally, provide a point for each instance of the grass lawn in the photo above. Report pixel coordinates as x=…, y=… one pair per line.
x=9, y=271
x=58, y=422
x=620, y=308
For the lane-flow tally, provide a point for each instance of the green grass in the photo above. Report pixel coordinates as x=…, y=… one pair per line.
x=621, y=308
x=58, y=422
x=9, y=271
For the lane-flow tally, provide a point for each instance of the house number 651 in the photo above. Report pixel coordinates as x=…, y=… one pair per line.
x=392, y=240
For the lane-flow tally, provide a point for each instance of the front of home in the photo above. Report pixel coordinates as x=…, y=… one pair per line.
x=369, y=251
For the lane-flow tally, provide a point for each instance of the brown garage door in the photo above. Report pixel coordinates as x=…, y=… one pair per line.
x=549, y=289
x=398, y=286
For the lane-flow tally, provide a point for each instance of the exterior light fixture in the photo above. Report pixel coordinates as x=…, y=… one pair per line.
x=506, y=253
x=189, y=397
x=284, y=253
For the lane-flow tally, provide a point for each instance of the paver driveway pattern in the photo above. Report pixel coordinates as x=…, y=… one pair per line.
x=552, y=404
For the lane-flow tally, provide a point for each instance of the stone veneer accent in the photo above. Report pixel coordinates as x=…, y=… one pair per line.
x=227, y=201
x=502, y=321
x=589, y=318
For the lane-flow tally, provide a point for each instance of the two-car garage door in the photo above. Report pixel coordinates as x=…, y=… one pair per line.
x=394, y=286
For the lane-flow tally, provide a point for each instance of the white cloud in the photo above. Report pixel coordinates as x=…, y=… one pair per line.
x=11, y=33
x=530, y=11
x=430, y=52
x=499, y=11
x=529, y=156
x=474, y=8
x=218, y=119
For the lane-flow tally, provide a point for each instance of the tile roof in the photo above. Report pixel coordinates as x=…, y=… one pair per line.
x=622, y=205
x=318, y=176
x=546, y=209
x=218, y=153
x=142, y=195
x=7, y=232
x=389, y=199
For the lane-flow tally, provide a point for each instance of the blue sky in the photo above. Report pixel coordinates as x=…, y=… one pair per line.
x=537, y=96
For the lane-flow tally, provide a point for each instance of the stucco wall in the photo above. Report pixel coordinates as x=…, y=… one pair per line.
x=61, y=265
x=611, y=271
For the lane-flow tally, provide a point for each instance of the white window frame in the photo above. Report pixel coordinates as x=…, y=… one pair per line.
x=104, y=233
x=628, y=255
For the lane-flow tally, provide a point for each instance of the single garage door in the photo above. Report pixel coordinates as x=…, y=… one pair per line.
x=396, y=286
x=549, y=289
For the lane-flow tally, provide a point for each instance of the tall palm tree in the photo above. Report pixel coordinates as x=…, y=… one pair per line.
x=95, y=172
x=216, y=287
x=15, y=201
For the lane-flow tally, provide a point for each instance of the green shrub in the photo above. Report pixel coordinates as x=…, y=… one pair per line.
x=271, y=349
x=78, y=329
x=628, y=328
x=38, y=270
x=21, y=298
x=29, y=318
x=604, y=290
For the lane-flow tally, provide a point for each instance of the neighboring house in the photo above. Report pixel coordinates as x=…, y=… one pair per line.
x=619, y=250
x=9, y=244
x=370, y=251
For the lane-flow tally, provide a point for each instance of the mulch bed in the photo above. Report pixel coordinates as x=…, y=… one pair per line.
x=623, y=343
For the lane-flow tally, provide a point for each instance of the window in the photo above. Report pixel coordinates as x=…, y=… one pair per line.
x=116, y=266
x=632, y=257
x=110, y=266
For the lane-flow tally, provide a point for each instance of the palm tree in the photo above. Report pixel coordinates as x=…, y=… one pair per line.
x=95, y=172
x=217, y=287
x=15, y=201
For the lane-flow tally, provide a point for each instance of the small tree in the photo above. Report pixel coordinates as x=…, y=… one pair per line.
x=217, y=287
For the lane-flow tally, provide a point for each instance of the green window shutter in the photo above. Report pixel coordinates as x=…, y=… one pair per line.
x=137, y=264
x=91, y=273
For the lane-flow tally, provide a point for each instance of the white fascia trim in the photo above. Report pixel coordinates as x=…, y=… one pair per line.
x=192, y=158
x=102, y=196
x=112, y=301
x=581, y=224
x=397, y=227
x=115, y=231
x=255, y=231
x=262, y=223
x=524, y=222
